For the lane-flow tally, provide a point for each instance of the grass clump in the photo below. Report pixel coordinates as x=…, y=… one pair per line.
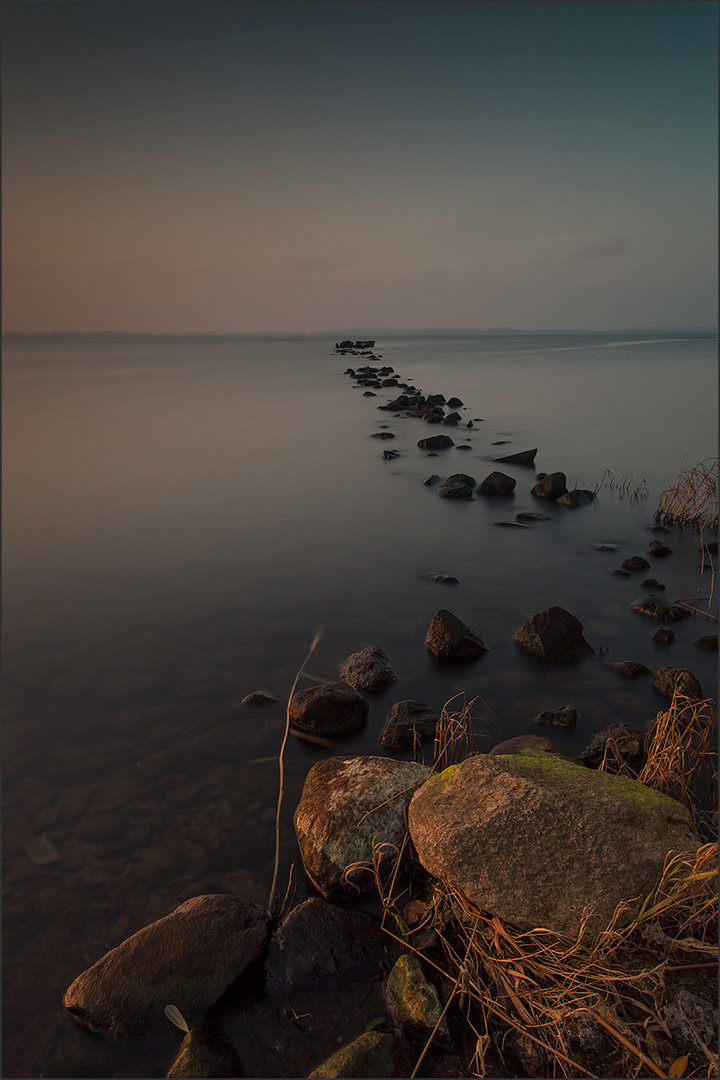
x=693, y=498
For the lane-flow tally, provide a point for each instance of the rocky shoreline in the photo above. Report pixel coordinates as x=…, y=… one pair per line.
x=527, y=834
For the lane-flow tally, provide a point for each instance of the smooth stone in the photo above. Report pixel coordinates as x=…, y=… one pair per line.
x=577, y=497
x=651, y=583
x=657, y=607
x=455, y=403
x=259, y=697
x=708, y=643
x=329, y=709
x=369, y=393
x=462, y=478
x=635, y=562
x=382, y=435
x=554, y=635
x=431, y=480
x=629, y=669
x=619, y=573
x=565, y=716
x=524, y=457
x=454, y=491
x=606, y=547
x=437, y=579
x=668, y=679
x=550, y=486
x=436, y=442
x=408, y=722
x=449, y=638
x=658, y=549
x=369, y=670
x=497, y=483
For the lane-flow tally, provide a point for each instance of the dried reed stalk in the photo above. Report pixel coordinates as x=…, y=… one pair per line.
x=693, y=498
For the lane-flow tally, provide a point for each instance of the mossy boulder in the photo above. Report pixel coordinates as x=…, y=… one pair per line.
x=542, y=842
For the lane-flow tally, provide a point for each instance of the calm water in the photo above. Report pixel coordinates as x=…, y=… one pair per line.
x=181, y=514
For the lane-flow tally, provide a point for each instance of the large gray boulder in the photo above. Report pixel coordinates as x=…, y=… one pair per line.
x=541, y=842
x=554, y=635
x=369, y=670
x=449, y=638
x=186, y=959
x=329, y=709
x=348, y=805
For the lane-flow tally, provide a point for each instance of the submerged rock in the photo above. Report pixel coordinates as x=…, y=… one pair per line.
x=527, y=516
x=186, y=959
x=565, y=716
x=577, y=497
x=449, y=638
x=595, y=839
x=349, y=805
x=635, y=562
x=436, y=442
x=668, y=679
x=657, y=607
x=550, y=487
x=629, y=669
x=408, y=722
x=658, y=549
x=329, y=709
x=497, y=483
x=534, y=745
x=259, y=697
x=627, y=744
x=369, y=670
x=664, y=635
x=454, y=491
x=524, y=457
x=554, y=635
x=708, y=643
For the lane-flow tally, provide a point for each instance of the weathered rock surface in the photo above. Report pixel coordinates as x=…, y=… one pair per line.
x=629, y=669
x=317, y=939
x=534, y=745
x=550, y=487
x=347, y=804
x=462, y=478
x=663, y=635
x=542, y=842
x=577, y=497
x=259, y=697
x=527, y=516
x=651, y=583
x=413, y=1002
x=628, y=744
x=329, y=709
x=565, y=716
x=433, y=479
x=658, y=549
x=524, y=457
x=186, y=959
x=635, y=562
x=436, y=442
x=554, y=634
x=369, y=670
x=408, y=722
x=668, y=679
x=205, y=1052
x=449, y=638
x=497, y=483
x=454, y=491
x=657, y=607
x=374, y=1053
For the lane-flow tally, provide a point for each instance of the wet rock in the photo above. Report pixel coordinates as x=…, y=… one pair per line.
x=438, y=579
x=497, y=483
x=658, y=549
x=413, y=1002
x=329, y=709
x=565, y=716
x=657, y=607
x=551, y=486
x=455, y=403
x=382, y=435
x=205, y=1052
x=462, y=478
x=449, y=638
x=186, y=959
x=664, y=635
x=596, y=839
x=629, y=669
x=668, y=679
x=708, y=643
x=431, y=480
x=464, y=446
x=349, y=804
x=606, y=547
x=627, y=744
x=318, y=939
x=259, y=697
x=577, y=497
x=636, y=562
x=511, y=525
x=619, y=573
x=454, y=491
x=374, y=1053
x=436, y=442
x=527, y=516
x=369, y=670
x=524, y=457
x=369, y=393
x=651, y=583
x=390, y=455
x=408, y=722
x=535, y=745
x=554, y=635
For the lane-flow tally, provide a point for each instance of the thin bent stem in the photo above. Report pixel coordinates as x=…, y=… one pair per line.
x=281, y=764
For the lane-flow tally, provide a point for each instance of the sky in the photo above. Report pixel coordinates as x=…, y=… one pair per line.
x=251, y=166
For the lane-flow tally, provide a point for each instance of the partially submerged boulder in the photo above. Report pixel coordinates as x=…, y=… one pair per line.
x=635, y=562
x=449, y=638
x=349, y=805
x=408, y=722
x=436, y=442
x=524, y=457
x=564, y=716
x=369, y=670
x=615, y=744
x=668, y=679
x=554, y=635
x=657, y=607
x=550, y=487
x=577, y=497
x=541, y=842
x=186, y=959
x=329, y=709
x=497, y=483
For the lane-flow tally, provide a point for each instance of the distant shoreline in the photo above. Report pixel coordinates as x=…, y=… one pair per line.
x=502, y=331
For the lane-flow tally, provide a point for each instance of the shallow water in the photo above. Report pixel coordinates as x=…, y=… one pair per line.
x=181, y=514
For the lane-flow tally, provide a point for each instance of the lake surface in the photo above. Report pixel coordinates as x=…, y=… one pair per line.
x=182, y=513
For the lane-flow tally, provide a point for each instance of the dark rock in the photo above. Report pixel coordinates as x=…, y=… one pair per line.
x=554, y=634
x=390, y=455
x=657, y=607
x=449, y=638
x=436, y=442
x=438, y=579
x=627, y=743
x=413, y=1002
x=369, y=393
x=534, y=745
x=511, y=525
x=374, y=1053
x=454, y=491
x=577, y=497
x=606, y=547
x=651, y=583
x=497, y=483
x=205, y=1052
x=658, y=549
x=550, y=487
x=629, y=669
x=596, y=839
x=349, y=807
x=452, y=417
x=664, y=635
x=186, y=959
x=317, y=939
x=527, y=516
x=369, y=670
x=329, y=709
x=431, y=480
x=455, y=403
x=708, y=643
x=668, y=679
x=408, y=722
x=464, y=446
x=259, y=697
x=462, y=478
x=382, y=435
x=619, y=573
x=565, y=716
x=636, y=562
x=524, y=457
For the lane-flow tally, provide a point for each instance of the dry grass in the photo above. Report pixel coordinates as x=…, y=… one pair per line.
x=693, y=499
x=624, y=486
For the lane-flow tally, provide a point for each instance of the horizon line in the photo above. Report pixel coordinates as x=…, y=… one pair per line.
x=499, y=330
